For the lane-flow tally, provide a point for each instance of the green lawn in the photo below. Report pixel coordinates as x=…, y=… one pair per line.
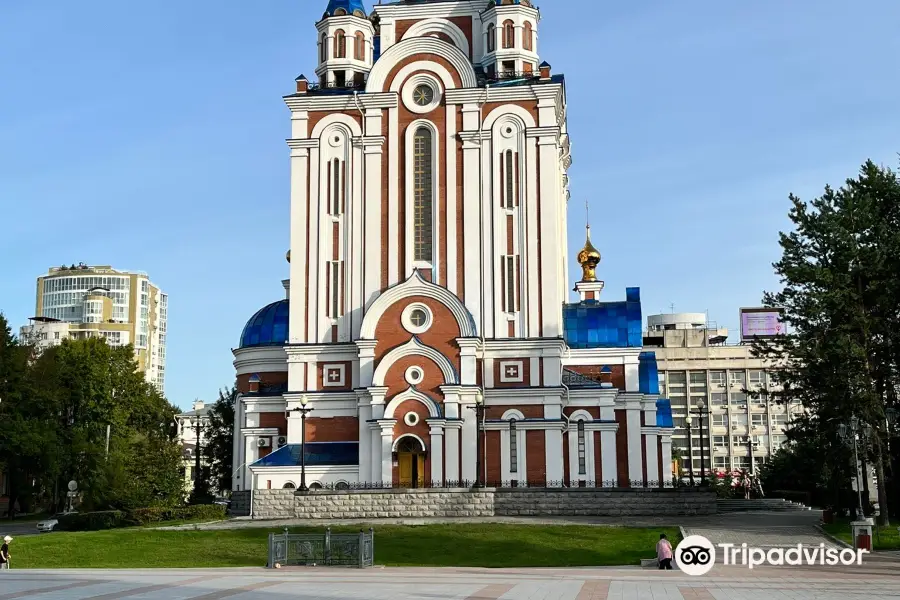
x=487, y=545
x=887, y=538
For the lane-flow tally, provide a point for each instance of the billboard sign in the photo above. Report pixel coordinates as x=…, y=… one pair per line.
x=761, y=323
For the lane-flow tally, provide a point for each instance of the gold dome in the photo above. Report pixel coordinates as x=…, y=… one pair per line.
x=288, y=256
x=589, y=258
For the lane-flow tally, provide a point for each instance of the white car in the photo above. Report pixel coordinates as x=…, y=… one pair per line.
x=47, y=525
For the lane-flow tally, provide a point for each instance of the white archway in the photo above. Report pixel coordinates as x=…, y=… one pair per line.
x=416, y=286
x=509, y=110
x=513, y=414
x=434, y=411
x=435, y=25
x=581, y=415
x=415, y=348
x=409, y=435
x=420, y=45
x=350, y=125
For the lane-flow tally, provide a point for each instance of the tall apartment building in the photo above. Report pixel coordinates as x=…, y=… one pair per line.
x=124, y=307
x=742, y=424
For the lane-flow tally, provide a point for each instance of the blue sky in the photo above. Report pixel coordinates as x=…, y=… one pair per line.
x=691, y=123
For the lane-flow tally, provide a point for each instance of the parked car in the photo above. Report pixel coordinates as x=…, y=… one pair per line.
x=48, y=525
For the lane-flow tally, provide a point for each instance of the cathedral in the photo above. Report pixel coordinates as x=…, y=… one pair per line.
x=426, y=337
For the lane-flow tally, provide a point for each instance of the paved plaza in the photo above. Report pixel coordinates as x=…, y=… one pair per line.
x=876, y=580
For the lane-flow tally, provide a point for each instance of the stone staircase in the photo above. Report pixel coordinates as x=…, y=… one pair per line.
x=759, y=505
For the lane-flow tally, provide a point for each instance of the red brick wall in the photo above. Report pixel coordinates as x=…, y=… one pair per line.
x=622, y=448
x=335, y=429
x=243, y=383
x=536, y=456
x=530, y=411
x=274, y=419
x=594, y=411
x=396, y=382
x=442, y=336
x=598, y=456
x=493, y=456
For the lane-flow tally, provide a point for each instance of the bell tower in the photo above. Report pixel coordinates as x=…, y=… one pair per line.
x=346, y=45
x=510, y=44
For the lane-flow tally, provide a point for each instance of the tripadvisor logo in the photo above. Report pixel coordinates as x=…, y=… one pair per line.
x=696, y=555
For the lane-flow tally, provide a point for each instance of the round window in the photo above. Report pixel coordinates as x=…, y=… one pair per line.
x=414, y=375
x=411, y=419
x=423, y=95
x=416, y=318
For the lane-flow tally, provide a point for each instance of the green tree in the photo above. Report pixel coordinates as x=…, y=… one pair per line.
x=218, y=452
x=841, y=299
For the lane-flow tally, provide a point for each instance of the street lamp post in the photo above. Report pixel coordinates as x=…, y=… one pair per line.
x=303, y=410
x=848, y=433
x=688, y=420
x=479, y=415
x=701, y=405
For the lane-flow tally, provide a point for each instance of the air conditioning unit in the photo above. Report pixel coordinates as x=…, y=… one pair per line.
x=282, y=440
x=733, y=427
x=264, y=442
x=742, y=407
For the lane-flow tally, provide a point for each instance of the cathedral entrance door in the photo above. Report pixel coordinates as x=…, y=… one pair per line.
x=411, y=463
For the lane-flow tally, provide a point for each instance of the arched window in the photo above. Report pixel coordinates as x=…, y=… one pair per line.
x=340, y=44
x=582, y=459
x=323, y=48
x=288, y=486
x=528, y=37
x=513, y=448
x=509, y=34
x=423, y=195
x=491, y=38
x=359, y=48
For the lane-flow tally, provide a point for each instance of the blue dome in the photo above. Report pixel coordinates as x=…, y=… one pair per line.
x=345, y=7
x=268, y=327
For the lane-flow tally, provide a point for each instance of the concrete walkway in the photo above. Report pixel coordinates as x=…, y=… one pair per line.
x=867, y=582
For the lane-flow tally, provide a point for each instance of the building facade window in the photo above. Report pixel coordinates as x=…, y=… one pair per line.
x=491, y=38
x=336, y=187
x=582, y=458
x=509, y=34
x=333, y=288
x=513, y=448
x=359, y=47
x=528, y=36
x=323, y=48
x=509, y=176
x=340, y=44
x=510, y=281
x=423, y=196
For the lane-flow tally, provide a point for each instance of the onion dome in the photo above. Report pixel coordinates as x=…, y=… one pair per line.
x=268, y=327
x=337, y=8
x=589, y=258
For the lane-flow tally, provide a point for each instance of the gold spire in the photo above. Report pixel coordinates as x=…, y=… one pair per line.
x=589, y=258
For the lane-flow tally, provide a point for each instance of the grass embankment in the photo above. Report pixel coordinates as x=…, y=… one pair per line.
x=464, y=545
x=887, y=538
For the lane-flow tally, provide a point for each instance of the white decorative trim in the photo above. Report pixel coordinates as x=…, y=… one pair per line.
x=436, y=25
x=341, y=381
x=519, y=378
x=410, y=86
x=406, y=435
x=335, y=119
x=509, y=110
x=414, y=375
x=411, y=419
x=513, y=414
x=414, y=348
x=582, y=414
x=416, y=286
x=434, y=411
x=406, y=318
x=415, y=46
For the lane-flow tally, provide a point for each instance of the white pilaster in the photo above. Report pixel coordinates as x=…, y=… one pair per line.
x=366, y=361
x=468, y=351
x=393, y=215
x=471, y=232
x=489, y=259
x=635, y=455
x=666, y=458
x=553, y=450
x=437, y=453
x=650, y=448
x=387, y=442
x=299, y=234
x=450, y=189
x=533, y=260
x=355, y=247
x=374, y=215
x=609, y=468
x=469, y=441
x=365, y=435
x=314, y=259
x=632, y=374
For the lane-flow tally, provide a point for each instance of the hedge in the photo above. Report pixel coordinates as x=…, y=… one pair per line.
x=112, y=519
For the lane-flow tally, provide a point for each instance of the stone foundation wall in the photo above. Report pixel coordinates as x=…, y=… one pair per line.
x=422, y=504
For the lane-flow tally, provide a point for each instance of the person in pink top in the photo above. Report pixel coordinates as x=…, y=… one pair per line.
x=664, y=553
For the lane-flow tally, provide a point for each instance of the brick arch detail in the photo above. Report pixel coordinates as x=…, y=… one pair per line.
x=434, y=411
x=415, y=348
x=379, y=76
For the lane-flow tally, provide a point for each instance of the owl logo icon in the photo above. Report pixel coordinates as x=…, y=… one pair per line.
x=695, y=555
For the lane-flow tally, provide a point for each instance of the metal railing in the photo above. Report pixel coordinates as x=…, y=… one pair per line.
x=498, y=484
x=356, y=550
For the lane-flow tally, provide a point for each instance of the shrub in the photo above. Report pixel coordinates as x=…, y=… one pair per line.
x=146, y=516
x=92, y=521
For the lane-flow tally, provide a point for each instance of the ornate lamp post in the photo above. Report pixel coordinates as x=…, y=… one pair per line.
x=701, y=405
x=687, y=421
x=479, y=415
x=303, y=410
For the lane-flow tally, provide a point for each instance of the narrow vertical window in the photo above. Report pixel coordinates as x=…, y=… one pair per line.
x=511, y=284
x=359, y=51
x=509, y=34
x=335, y=289
x=582, y=462
x=323, y=48
x=510, y=179
x=513, y=448
x=528, y=37
x=336, y=188
x=491, y=38
x=340, y=44
x=423, y=199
